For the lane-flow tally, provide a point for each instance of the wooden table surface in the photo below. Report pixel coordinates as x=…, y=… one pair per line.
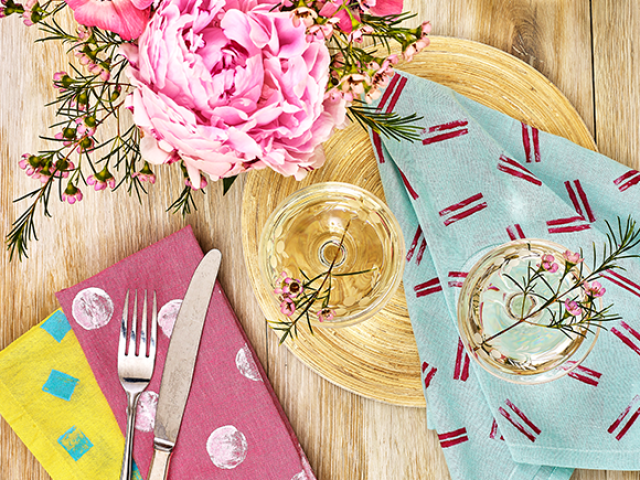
x=585, y=47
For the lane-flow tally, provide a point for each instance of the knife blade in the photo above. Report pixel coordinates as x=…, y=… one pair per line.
x=180, y=362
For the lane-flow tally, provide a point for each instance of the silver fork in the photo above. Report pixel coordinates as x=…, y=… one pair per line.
x=135, y=370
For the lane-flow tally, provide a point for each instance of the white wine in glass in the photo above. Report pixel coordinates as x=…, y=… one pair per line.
x=344, y=239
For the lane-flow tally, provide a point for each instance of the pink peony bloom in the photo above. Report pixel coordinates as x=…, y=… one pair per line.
x=548, y=263
x=127, y=18
x=572, y=307
x=594, y=289
x=228, y=90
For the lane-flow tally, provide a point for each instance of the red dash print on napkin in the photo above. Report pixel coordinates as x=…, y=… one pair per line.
x=494, y=431
x=460, y=206
x=625, y=428
x=583, y=374
x=414, y=244
x=408, y=186
x=510, y=166
x=580, y=198
x=581, y=204
x=377, y=143
x=515, y=231
x=427, y=288
x=529, y=429
x=455, y=275
x=622, y=282
x=627, y=180
x=396, y=94
x=632, y=341
x=461, y=371
x=445, y=131
x=428, y=375
x=531, y=143
x=388, y=91
x=568, y=225
x=453, y=438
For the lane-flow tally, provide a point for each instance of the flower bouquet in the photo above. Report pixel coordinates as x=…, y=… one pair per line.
x=216, y=87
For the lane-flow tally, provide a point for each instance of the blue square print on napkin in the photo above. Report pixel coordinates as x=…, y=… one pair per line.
x=57, y=326
x=75, y=443
x=60, y=385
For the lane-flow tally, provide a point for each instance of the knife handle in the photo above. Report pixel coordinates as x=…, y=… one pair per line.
x=159, y=464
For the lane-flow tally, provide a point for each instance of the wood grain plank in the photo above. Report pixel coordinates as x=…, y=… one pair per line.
x=553, y=37
x=616, y=69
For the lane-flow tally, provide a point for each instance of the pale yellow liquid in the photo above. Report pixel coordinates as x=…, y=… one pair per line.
x=308, y=239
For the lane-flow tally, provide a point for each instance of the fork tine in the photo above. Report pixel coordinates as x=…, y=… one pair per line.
x=154, y=327
x=122, y=344
x=143, y=329
x=134, y=326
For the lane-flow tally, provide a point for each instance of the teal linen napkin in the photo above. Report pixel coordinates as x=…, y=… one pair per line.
x=478, y=179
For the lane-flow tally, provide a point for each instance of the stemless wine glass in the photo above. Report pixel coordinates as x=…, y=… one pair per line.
x=491, y=303
x=338, y=228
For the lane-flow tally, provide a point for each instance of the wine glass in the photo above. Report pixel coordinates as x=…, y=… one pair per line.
x=333, y=252
x=492, y=305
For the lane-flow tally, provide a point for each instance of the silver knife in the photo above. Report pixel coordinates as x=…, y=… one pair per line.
x=180, y=362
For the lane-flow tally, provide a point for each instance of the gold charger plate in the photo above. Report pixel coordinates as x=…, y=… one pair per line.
x=378, y=358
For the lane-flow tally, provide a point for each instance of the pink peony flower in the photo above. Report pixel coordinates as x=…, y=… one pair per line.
x=228, y=90
x=548, y=263
x=572, y=307
x=594, y=289
x=127, y=18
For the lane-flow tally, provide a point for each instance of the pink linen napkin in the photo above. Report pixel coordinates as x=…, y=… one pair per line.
x=233, y=426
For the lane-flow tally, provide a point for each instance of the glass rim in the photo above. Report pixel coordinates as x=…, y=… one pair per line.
x=336, y=188
x=562, y=369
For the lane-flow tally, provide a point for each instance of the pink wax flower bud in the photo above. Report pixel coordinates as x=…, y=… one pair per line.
x=203, y=183
x=548, y=263
x=62, y=168
x=594, y=289
x=102, y=180
x=303, y=15
x=145, y=174
x=572, y=307
x=288, y=307
x=326, y=315
x=572, y=258
x=71, y=194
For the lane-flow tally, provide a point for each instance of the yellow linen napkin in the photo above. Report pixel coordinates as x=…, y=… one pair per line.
x=51, y=399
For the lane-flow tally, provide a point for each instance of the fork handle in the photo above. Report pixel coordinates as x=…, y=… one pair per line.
x=159, y=464
x=127, y=459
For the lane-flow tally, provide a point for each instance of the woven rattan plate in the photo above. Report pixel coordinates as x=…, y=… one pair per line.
x=379, y=359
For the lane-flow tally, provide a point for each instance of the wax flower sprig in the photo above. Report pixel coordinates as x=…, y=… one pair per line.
x=216, y=87
x=359, y=74
x=572, y=309
x=297, y=297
